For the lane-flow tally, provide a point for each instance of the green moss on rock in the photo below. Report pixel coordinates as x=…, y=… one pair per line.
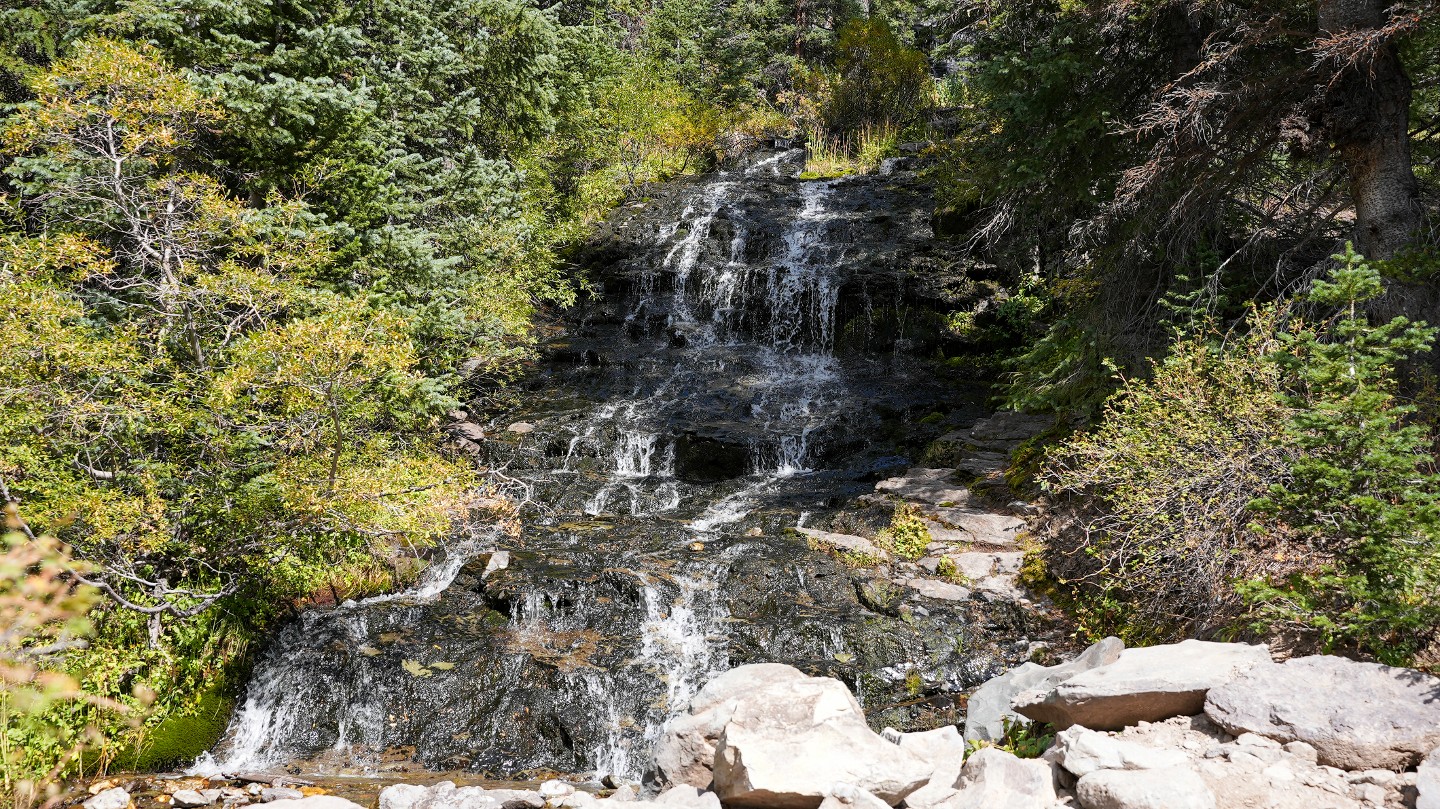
x=180, y=737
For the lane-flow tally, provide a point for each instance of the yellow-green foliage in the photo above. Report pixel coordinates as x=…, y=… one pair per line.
x=643, y=127
x=860, y=152
x=214, y=417
x=43, y=614
x=1154, y=520
x=907, y=536
x=880, y=81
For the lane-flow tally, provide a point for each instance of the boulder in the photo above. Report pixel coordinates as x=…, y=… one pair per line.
x=992, y=702
x=1082, y=751
x=1357, y=716
x=1143, y=685
x=940, y=748
x=944, y=750
x=787, y=744
x=993, y=777
x=314, y=802
x=113, y=798
x=685, y=751
x=846, y=543
x=1427, y=782
x=521, y=428
x=272, y=794
x=849, y=796
x=688, y=797
x=445, y=795
x=1172, y=788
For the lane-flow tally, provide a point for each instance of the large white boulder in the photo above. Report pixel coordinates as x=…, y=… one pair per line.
x=940, y=747
x=992, y=702
x=113, y=798
x=685, y=751
x=313, y=802
x=1427, y=782
x=786, y=744
x=445, y=795
x=1144, y=685
x=688, y=797
x=1358, y=716
x=849, y=796
x=994, y=778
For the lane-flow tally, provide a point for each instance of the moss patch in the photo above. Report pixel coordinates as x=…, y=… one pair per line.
x=181, y=737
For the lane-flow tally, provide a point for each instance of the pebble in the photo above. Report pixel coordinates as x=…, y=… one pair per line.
x=113, y=798
x=1303, y=751
x=194, y=797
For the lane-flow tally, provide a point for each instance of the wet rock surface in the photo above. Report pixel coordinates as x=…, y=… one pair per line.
x=751, y=364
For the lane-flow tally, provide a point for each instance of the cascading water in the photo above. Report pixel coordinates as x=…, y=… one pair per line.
x=727, y=383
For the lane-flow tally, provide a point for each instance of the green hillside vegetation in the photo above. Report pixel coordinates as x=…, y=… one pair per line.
x=252, y=253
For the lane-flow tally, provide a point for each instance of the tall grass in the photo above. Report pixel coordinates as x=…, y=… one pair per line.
x=841, y=154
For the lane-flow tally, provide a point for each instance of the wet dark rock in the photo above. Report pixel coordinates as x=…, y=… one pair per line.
x=758, y=353
x=706, y=460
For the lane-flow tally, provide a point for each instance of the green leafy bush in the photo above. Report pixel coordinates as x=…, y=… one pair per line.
x=1360, y=498
x=880, y=83
x=907, y=536
x=1268, y=481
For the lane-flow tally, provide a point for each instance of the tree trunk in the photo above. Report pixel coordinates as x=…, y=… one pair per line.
x=1367, y=117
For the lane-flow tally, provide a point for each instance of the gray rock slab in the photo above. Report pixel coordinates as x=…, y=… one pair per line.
x=1009, y=425
x=848, y=543
x=1144, y=685
x=981, y=463
x=936, y=589
x=1173, y=788
x=1357, y=716
x=975, y=527
x=925, y=486
x=992, y=702
x=787, y=745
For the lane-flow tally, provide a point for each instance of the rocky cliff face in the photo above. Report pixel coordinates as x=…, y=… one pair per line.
x=752, y=362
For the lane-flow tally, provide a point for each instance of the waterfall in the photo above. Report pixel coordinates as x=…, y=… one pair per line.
x=657, y=474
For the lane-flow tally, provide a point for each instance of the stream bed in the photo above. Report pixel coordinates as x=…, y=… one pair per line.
x=755, y=359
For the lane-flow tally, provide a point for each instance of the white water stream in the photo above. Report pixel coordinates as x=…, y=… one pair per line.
x=792, y=377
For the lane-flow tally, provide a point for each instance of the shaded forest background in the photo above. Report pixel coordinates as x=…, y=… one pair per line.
x=252, y=252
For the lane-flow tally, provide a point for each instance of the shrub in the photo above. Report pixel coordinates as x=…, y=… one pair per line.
x=881, y=82
x=1359, y=498
x=1267, y=482
x=1152, y=519
x=907, y=536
